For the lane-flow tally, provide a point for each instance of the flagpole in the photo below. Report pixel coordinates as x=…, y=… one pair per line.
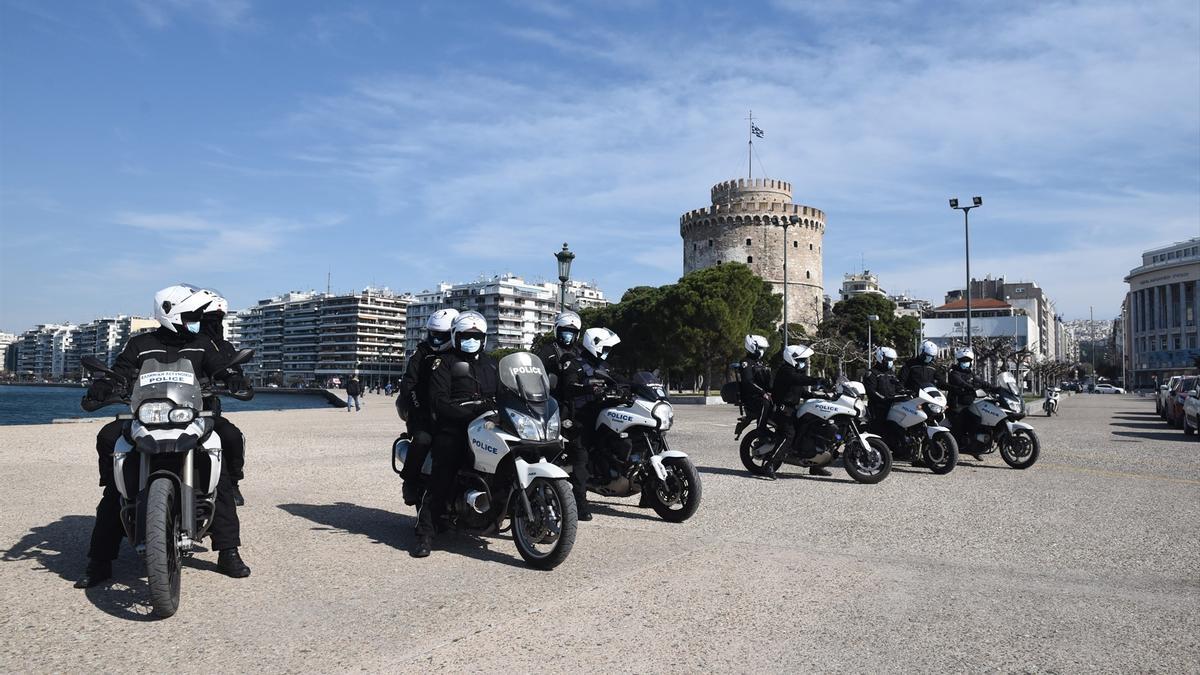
x=750, y=148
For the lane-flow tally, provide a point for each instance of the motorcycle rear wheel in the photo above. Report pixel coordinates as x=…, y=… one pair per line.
x=755, y=464
x=164, y=564
x=683, y=479
x=941, y=453
x=1020, y=449
x=868, y=467
x=546, y=545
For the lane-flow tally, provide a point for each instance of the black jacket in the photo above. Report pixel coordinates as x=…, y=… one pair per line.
x=167, y=346
x=460, y=388
x=754, y=379
x=413, y=400
x=962, y=385
x=353, y=388
x=791, y=386
x=553, y=356
x=575, y=385
x=883, y=387
x=917, y=374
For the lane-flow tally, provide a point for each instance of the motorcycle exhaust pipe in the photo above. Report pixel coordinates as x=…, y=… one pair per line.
x=478, y=501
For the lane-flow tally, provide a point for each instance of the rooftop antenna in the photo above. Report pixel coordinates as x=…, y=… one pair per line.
x=328, y=279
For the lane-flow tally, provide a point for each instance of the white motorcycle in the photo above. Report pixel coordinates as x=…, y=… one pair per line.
x=510, y=478
x=629, y=454
x=825, y=430
x=166, y=466
x=921, y=435
x=1000, y=427
x=1050, y=405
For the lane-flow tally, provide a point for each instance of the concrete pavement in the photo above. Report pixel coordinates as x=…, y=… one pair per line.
x=1087, y=561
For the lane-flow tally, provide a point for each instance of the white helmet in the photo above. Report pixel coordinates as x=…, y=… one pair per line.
x=599, y=341
x=796, y=356
x=756, y=345
x=566, y=327
x=438, y=328
x=215, y=303
x=928, y=348
x=964, y=356
x=885, y=355
x=175, y=306
x=469, y=329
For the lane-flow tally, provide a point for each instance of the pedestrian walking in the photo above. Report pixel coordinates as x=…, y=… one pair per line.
x=354, y=392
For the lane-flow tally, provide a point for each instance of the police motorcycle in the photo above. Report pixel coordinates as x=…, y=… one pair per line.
x=511, y=478
x=922, y=437
x=166, y=466
x=630, y=455
x=1050, y=405
x=1000, y=412
x=825, y=430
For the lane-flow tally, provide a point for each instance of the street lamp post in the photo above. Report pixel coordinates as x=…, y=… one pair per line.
x=871, y=318
x=977, y=201
x=565, y=256
x=787, y=222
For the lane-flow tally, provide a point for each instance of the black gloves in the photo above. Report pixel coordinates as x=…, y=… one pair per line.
x=100, y=390
x=236, y=383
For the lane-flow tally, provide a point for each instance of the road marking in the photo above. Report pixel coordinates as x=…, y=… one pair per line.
x=1124, y=474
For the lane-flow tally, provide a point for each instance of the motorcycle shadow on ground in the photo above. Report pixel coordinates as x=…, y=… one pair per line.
x=606, y=509
x=396, y=530
x=61, y=548
x=783, y=474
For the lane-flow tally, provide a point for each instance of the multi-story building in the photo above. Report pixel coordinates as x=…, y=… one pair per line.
x=7, y=355
x=1164, y=305
x=35, y=351
x=312, y=338
x=907, y=305
x=990, y=318
x=860, y=284
x=105, y=337
x=516, y=311
x=1025, y=296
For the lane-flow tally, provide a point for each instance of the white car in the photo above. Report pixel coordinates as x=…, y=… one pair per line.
x=1108, y=389
x=1191, y=413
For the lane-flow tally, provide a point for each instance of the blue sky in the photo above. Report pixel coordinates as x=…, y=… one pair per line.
x=252, y=145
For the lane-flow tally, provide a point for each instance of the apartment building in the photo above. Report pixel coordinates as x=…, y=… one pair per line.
x=1048, y=340
x=6, y=364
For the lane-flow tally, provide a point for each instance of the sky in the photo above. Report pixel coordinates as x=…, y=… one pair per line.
x=255, y=146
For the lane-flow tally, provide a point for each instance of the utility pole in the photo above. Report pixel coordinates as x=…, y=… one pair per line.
x=1092, y=338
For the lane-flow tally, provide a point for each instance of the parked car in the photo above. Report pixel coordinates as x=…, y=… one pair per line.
x=1105, y=388
x=1176, y=397
x=1160, y=402
x=1191, y=412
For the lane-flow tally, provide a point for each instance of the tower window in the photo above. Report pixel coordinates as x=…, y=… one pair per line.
x=695, y=246
x=810, y=247
x=747, y=241
x=808, y=275
x=710, y=242
x=749, y=258
x=795, y=244
x=718, y=262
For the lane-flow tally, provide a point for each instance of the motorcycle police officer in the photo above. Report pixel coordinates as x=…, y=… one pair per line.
x=791, y=386
x=179, y=311
x=557, y=356
x=919, y=371
x=413, y=402
x=582, y=386
x=883, y=389
x=462, y=385
x=962, y=384
x=754, y=376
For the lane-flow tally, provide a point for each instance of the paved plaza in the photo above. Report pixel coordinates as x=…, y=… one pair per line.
x=1087, y=561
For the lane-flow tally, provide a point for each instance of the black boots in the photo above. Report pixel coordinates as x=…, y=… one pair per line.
x=230, y=564
x=97, y=572
x=411, y=492
x=238, y=500
x=423, y=547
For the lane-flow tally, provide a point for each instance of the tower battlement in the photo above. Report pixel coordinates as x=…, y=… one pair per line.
x=751, y=189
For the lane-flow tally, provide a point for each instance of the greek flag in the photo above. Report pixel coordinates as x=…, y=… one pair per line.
x=756, y=131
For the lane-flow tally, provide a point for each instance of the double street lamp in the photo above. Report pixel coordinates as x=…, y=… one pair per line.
x=871, y=319
x=976, y=202
x=565, y=256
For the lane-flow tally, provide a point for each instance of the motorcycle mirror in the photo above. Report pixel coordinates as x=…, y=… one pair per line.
x=553, y=381
x=94, y=364
x=241, y=357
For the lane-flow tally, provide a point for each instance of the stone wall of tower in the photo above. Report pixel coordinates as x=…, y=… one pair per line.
x=746, y=224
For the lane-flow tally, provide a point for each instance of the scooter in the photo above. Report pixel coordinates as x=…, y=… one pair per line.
x=921, y=436
x=1050, y=405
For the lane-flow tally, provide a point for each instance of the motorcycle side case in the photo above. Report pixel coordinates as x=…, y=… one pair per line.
x=400, y=455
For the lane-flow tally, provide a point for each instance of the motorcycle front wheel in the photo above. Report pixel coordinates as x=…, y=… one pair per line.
x=868, y=466
x=545, y=540
x=753, y=443
x=677, y=499
x=1020, y=449
x=164, y=564
x=941, y=453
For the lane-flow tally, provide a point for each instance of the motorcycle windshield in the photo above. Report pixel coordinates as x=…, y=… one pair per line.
x=646, y=385
x=175, y=382
x=1007, y=382
x=523, y=374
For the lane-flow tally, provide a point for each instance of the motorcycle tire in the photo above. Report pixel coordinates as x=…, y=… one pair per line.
x=1024, y=461
x=544, y=492
x=759, y=466
x=164, y=563
x=682, y=470
x=946, y=449
x=857, y=472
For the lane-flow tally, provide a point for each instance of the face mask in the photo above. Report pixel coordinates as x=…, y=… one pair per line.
x=927, y=358
x=568, y=337
x=471, y=345
x=965, y=365
x=192, y=326
x=887, y=364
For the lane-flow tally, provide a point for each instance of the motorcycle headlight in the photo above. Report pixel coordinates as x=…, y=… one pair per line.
x=154, y=412
x=552, y=427
x=665, y=414
x=527, y=427
x=860, y=406
x=181, y=415
x=934, y=408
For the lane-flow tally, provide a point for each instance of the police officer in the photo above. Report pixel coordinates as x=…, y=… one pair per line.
x=562, y=354
x=754, y=377
x=179, y=310
x=462, y=385
x=791, y=387
x=962, y=384
x=584, y=382
x=920, y=371
x=883, y=389
x=413, y=402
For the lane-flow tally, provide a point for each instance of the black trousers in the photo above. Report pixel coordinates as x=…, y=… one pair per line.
x=418, y=449
x=108, y=532
x=233, y=447
x=577, y=454
x=449, y=454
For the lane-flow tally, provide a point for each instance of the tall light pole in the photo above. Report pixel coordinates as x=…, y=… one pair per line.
x=565, y=256
x=871, y=318
x=1092, y=339
x=977, y=201
x=786, y=222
